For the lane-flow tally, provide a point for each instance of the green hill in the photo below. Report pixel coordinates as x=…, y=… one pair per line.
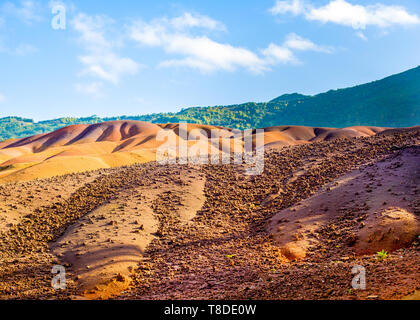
x=390, y=102
x=289, y=97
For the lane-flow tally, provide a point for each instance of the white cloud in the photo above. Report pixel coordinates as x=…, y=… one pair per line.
x=295, y=7
x=91, y=31
x=148, y=34
x=207, y=55
x=284, y=54
x=93, y=89
x=108, y=66
x=152, y=34
x=101, y=61
x=345, y=13
x=28, y=11
x=293, y=41
x=2, y=98
x=276, y=54
x=358, y=16
x=188, y=20
x=202, y=53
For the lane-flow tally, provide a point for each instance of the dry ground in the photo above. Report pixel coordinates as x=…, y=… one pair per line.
x=80, y=148
x=210, y=232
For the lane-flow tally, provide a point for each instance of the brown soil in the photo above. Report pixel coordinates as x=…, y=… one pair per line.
x=210, y=232
x=80, y=148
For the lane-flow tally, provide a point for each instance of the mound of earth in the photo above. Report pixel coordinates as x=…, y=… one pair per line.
x=370, y=209
x=109, y=241
x=152, y=231
x=80, y=148
x=395, y=228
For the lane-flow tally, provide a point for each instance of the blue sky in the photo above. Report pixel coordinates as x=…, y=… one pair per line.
x=136, y=57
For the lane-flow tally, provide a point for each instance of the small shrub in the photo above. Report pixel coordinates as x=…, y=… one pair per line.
x=382, y=255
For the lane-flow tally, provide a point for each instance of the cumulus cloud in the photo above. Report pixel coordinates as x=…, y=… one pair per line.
x=199, y=51
x=358, y=16
x=342, y=12
x=92, y=31
x=108, y=66
x=285, y=53
x=294, y=41
x=207, y=55
x=295, y=7
x=101, y=59
x=188, y=20
x=275, y=54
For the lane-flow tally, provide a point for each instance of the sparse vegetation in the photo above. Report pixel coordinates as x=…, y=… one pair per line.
x=382, y=255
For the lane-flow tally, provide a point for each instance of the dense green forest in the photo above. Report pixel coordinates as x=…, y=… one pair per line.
x=390, y=102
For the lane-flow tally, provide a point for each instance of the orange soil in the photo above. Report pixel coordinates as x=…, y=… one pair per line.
x=79, y=148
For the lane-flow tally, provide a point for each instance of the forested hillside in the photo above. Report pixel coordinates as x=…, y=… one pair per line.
x=390, y=102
